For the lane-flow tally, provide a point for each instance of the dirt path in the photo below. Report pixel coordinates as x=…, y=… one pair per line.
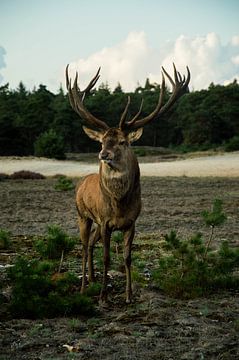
x=225, y=165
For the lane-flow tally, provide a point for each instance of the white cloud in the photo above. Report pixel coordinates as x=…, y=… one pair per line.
x=132, y=61
x=235, y=60
x=235, y=40
x=208, y=59
x=125, y=63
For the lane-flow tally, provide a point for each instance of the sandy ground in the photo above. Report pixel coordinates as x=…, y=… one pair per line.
x=223, y=165
x=156, y=326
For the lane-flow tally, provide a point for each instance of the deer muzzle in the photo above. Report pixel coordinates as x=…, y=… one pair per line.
x=105, y=156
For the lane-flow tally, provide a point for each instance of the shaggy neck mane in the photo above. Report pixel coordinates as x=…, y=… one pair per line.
x=120, y=183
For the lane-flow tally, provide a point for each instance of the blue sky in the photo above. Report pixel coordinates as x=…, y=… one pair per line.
x=129, y=39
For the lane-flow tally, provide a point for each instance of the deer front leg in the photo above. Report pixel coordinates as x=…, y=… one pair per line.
x=85, y=225
x=128, y=240
x=95, y=236
x=105, y=235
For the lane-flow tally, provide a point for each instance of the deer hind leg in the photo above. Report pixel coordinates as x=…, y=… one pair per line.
x=128, y=240
x=95, y=236
x=85, y=226
x=105, y=234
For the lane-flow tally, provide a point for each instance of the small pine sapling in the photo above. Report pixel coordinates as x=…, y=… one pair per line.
x=64, y=184
x=191, y=268
x=36, y=293
x=55, y=245
x=213, y=218
x=117, y=238
x=5, y=239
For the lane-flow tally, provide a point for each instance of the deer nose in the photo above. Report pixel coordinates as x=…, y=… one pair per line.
x=104, y=155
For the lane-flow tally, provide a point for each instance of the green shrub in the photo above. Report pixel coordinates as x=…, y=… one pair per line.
x=50, y=144
x=215, y=217
x=64, y=184
x=140, y=152
x=192, y=268
x=139, y=278
x=232, y=144
x=31, y=285
x=37, y=294
x=55, y=244
x=93, y=289
x=185, y=148
x=5, y=239
x=117, y=239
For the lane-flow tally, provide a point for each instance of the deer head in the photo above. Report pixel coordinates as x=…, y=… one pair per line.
x=115, y=144
x=115, y=140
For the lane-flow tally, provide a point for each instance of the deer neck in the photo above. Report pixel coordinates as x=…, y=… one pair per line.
x=120, y=181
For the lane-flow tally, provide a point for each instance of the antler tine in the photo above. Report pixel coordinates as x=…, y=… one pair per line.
x=175, y=74
x=75, y=86
x=67, y=78
x=169, y=77
x=124, y=114
x=124, y=125
x=188, y=77
x=180, y=77
x=134, y=123
x=76, y=98
x=179, y=85
x=68, y=86
x=92, y=82
x=131, y=122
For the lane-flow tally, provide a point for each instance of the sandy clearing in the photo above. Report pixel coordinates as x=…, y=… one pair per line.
x=225, y=165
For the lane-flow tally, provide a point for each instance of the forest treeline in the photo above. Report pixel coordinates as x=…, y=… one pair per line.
x=33, y=121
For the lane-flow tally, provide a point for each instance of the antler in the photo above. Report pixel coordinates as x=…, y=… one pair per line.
x=76, y=98
x=180, y=86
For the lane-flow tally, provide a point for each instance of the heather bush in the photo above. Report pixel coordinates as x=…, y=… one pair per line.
x=3, y=176
x=25, y=174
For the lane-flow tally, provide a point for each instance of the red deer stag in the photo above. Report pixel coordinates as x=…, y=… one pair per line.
x=111, y=199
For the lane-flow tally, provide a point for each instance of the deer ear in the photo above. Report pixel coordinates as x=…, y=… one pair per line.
x=135, y=135
x=93, y=134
